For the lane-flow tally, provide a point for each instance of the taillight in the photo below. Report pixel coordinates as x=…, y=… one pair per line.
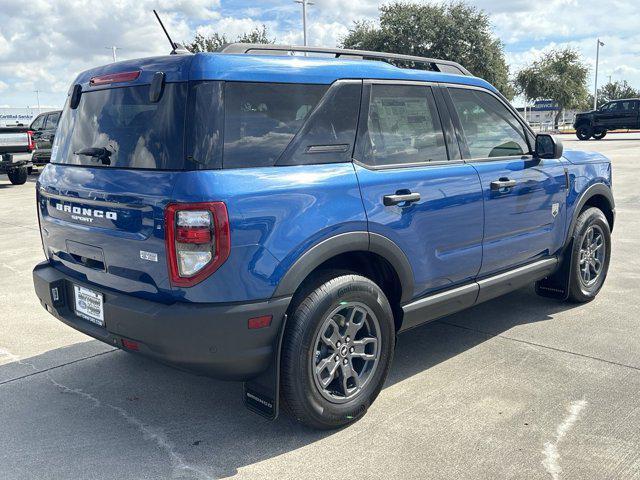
x=197, y=239
x=31, y=144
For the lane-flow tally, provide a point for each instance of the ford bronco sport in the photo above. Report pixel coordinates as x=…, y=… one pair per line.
x=278, y=219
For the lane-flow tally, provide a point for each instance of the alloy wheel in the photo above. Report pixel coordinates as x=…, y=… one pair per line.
x=346, y=351
x=592, y=255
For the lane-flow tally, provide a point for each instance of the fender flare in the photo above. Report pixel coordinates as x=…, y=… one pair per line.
x=345, y=243
x=592, y=191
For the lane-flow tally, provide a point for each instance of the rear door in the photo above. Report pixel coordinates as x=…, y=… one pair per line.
x=416, y=189
x=524, y=197
x=618, y=114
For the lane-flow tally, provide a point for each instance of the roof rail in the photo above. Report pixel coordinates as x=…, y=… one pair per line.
x=445, y=66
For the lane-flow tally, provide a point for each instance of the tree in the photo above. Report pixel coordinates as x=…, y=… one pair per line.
x=560, y=75
x=215, y=41
x=454, y=31
x=615, y=91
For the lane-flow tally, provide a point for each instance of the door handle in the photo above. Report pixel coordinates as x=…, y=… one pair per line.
x=398, y=198
x=503, y=182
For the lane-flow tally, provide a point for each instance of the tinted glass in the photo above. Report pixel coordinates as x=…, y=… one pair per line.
x=260, y=119
x=625, y=106
x=206, y=117
x=489, y=126
x=138, y=133
x=403, y=126
x=38, y=123
x=330, y=131
x=52, y=121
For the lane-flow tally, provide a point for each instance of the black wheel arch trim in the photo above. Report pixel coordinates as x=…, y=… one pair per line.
x=345, y=243
x=592, y=191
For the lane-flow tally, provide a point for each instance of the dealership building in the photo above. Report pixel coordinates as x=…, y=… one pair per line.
x=17, y=116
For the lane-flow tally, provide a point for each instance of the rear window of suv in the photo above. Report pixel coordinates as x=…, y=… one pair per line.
x=139, y=133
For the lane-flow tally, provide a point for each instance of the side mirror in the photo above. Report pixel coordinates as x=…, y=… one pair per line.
x=548, y=146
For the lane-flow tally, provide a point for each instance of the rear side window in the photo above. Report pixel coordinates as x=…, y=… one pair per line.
x=329, y=133
x=260, y=119
x=137, y=133
x=491, y=130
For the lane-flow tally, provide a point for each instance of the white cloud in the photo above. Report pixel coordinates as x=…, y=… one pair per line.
x=45, y=52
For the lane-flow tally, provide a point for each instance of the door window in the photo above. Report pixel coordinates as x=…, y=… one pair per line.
x=403, y=126
x=38, y=123
x=625, y=106
x=52, y=121
x=490, y=128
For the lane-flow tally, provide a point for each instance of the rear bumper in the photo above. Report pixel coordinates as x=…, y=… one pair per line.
x=12, y=160
x=212, y=339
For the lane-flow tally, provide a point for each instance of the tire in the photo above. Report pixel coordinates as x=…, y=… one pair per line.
x=18, y=176
x=584, y=133
x=599, y=134
x=327, y=398
x=583, y=289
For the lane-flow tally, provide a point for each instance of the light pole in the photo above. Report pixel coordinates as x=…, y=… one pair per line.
x=304, y=4
x=595, y=88
x=113, y=52
x=37, y=92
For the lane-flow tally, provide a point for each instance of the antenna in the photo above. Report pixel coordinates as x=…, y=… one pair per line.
x=176, y=48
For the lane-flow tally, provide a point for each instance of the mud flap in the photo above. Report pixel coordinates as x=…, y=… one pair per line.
x=557, y=285
x=262, y=393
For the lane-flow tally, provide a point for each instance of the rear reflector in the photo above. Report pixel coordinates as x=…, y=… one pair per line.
x=114, y=78
x=130, y=345
x=193, y=235
x=260, y=322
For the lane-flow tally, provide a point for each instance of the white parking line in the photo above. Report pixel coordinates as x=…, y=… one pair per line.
x=552, y=456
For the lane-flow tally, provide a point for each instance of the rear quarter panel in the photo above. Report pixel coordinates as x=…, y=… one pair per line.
x=275, y=215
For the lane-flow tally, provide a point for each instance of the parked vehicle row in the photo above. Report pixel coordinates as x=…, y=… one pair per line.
x=279, y=219
x=23, y=147
x=618, y=114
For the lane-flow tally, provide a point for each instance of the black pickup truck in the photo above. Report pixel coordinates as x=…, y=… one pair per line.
x=16, y=148
x=612, y=115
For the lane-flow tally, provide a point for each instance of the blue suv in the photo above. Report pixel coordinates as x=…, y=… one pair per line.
x=278, y=219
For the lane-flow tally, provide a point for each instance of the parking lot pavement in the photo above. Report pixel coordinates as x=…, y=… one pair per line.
x=521, y=387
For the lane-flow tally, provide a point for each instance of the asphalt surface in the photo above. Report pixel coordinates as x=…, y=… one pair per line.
x=521, y=387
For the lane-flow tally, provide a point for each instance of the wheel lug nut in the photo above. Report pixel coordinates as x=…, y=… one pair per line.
x=352, y=350
x=347, y=339
x=345, y=361
x=338, y=344
x=337, y=358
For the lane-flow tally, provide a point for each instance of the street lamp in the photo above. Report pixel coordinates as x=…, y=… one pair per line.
x=304, y=4
x=113, y=52
x=595, y=88
x=37, y=92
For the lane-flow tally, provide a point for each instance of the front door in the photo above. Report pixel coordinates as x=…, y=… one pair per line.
x=415, y=188
x=524, y=197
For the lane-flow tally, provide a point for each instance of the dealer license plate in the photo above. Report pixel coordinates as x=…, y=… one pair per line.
x=89, y=305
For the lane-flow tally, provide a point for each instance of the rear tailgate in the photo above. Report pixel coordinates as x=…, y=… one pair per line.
x=14, y=140
x=106, y=226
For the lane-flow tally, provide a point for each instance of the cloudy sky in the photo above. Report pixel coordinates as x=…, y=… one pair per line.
x=44, y=43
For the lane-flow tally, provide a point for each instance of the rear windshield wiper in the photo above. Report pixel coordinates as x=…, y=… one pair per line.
x=99, y=153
